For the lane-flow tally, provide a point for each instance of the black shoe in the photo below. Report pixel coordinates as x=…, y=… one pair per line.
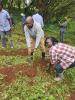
x=43, y=55
x=31, y=55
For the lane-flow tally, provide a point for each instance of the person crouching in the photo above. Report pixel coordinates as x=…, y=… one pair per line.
x=62, y=56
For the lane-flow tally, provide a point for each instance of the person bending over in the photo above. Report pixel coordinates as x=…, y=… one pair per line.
x=34, y=36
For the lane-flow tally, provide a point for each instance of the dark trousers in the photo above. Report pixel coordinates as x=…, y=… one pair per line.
x=59, y=68
x=2, y=34
x=62, y=35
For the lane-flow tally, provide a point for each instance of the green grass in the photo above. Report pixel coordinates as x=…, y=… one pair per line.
x=53, y=30
x=12, y=60
x=44, y=87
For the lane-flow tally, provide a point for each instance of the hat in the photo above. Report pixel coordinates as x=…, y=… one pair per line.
x=65, y=17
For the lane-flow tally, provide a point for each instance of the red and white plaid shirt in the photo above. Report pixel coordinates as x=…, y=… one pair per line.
x=62, y=53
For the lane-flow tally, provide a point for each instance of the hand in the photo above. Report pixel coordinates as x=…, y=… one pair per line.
x=29, y=51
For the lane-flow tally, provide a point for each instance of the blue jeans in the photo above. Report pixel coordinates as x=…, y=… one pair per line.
x=59, y=68
x=8, y=33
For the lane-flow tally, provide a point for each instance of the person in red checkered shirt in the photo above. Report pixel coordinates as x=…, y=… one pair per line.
x=62, y=56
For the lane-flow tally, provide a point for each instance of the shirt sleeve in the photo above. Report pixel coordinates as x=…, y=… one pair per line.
x=53, y=55
x=8, y=18
x=40, y=33
x=64, y=24
x=42, y=24
x=7, y=15
x=27, y=35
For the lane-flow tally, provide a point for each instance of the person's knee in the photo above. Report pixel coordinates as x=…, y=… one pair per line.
x=58, y=68
x=2, y=37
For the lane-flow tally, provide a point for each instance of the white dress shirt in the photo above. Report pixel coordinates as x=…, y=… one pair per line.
x=35, y=32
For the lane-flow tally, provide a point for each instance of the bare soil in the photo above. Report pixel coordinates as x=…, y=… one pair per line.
x=20, y=52
x=72, y=97
x=31, y=71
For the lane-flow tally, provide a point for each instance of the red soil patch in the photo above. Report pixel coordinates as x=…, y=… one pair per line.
x=20, y=52
x=41, y=62
x=67, y=81
x=10, y=72
x=72, y=97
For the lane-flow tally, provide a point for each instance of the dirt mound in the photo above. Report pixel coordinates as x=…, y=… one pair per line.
x=20, y=52
x=41, y=62
x=72, y=97
x=31, y=71
x=10, y=72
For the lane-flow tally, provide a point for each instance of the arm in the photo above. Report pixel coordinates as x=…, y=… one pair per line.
x=53, y=55
x=64, y=24
x=42, y=23
x=27, y=38
x=8, y=17
x=51, y=66
x=40, y=33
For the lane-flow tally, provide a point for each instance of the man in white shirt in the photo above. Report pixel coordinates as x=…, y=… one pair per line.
x=38, y=18
x=5, y=26
x=34, y=36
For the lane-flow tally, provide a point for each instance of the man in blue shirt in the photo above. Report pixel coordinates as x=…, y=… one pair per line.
x=5, y=26
x=38, y=18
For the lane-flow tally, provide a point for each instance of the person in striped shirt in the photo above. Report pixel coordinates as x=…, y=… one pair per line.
x=62, y=56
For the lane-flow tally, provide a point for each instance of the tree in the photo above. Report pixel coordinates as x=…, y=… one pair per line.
x=53, y=8
x=18, y=3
